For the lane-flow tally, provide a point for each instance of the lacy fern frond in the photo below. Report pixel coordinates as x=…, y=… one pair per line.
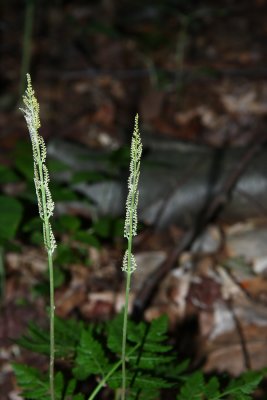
x=36, y=387
x=91, y=358
x=67, y=338
x=196, y=387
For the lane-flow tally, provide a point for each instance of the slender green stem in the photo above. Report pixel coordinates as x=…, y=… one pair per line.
x=51, y=278
x=124, y=334
x=104, y=380
x=110, y=373
x=52, y=327
x=125, y=315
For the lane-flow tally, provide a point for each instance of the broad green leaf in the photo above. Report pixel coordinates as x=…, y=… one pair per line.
x=103, y=227
x=88, y=238
x=33, y=224
x=10, y=217
x=23, y=159
x=64, y=255
x=68, y=223
x=56, y=166
x=7, y=175
x=61, y=193
x=118, y=227
x=88, y=177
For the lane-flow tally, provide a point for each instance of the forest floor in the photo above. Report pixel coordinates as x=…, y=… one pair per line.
x=195, y=74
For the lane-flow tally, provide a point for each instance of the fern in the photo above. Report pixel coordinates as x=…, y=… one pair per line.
x=101, y=350
x=91, y=358
x=240, y=388
x=96, y=351
x=145, y=354
x=36, y=387
x=195, y=387
x=67, y=337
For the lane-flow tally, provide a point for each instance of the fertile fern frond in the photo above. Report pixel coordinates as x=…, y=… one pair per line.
x=41, y=175
x=130, y=226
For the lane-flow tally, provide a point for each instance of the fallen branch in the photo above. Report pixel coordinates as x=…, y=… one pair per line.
x=149, y=287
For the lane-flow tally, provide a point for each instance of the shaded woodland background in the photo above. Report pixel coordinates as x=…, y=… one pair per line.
x=196, y=73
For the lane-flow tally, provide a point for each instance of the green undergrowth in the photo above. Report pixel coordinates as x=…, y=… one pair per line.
x=116, y=359
x=86, y=353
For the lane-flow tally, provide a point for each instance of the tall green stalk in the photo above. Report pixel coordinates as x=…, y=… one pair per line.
x=130, y=230
x=45, y=204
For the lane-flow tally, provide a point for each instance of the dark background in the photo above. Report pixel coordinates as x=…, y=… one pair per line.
x=194, y=70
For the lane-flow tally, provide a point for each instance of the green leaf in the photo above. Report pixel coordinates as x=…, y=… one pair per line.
x=37, y=238
x=56, y=166
x=88, y=177
x=36, y=387
x=245, y=384
x=36, y=339
x=87, y=238
x=114, y=331
x=59, y=277
x=158, y=329
x=68, y=223
x=211, y=389
x=23, y=159
x=69, y=391
x=143, y=394
x=31, y=383
x=141, y=381
x=118, y=227
x=33, y=224
x=7, y=175
x=64, y=255
x=10, y=217
x=121, y=157
x=103, y=227
x=173, y=371
x=67, y=338
x=91, y=358
x=193, y=387
x=149, y=361
x=60, y=193
x=78, y=396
